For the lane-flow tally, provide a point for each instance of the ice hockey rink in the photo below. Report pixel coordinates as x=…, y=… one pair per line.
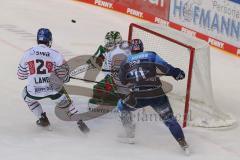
x=21, y=139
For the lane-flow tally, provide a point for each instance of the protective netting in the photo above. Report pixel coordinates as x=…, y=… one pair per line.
x=203, y=110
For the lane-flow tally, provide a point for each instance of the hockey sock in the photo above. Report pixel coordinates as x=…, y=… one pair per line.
x=174, y=128
x=36, y=108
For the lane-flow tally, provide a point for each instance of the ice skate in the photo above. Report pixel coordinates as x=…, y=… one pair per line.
x=185, y=147
x=128, y=136
x=43, y=121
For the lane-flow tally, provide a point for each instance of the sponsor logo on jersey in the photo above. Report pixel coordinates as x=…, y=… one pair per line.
x=138, y=56
x=47, y=54
x=42, y=89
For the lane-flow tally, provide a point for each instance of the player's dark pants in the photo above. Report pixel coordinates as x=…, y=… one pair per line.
x=161, y=105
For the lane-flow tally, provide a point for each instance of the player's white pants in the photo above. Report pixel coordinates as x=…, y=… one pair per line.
x=62, y=100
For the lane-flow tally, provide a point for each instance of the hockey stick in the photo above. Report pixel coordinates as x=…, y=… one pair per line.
x=86, y=80
x=166, y=86
x=86, y=67
x=159, y=74
x=82, y=79
x=106, y=70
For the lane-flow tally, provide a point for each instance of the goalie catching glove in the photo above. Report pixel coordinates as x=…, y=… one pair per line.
x=97, y=59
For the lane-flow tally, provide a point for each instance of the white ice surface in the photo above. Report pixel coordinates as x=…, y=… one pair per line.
x=20, y=139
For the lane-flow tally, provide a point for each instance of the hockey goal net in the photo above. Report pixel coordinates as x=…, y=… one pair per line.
x=192, y=98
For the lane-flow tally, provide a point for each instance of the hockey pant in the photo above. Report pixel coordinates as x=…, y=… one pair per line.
x=62, y=100
x=160, y=104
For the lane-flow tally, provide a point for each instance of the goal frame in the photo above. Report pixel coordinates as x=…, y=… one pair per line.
x=190, y=66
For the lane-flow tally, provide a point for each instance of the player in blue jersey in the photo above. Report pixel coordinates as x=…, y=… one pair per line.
x=140, y=70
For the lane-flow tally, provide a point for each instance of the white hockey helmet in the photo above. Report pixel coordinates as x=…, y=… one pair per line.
x=112, y=38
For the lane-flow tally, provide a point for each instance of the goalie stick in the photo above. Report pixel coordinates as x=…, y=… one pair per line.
x=85, y=67
x=81, y=69
x=82, y=64
x=65, y=115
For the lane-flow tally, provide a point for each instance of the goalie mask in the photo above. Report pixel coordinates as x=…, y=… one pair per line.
x=112, y=38
x=136, y=46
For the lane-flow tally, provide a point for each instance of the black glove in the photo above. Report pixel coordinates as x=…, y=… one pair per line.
x=178, y=74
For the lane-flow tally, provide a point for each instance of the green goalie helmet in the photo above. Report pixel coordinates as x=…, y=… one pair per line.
x=111, y=39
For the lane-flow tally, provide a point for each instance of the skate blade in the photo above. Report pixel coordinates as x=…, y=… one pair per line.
x=83, y=128
x=85, y=131
x=127, y=140
x=186, y=151
x=47, y=128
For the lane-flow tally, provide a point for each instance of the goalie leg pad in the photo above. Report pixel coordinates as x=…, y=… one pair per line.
x=104, y=88
x=104, y=92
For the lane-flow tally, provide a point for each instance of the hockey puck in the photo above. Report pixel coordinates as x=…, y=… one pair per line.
x=73, y=21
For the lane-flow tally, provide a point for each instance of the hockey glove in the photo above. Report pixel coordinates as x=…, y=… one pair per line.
x=62, y=72
x=178, y=74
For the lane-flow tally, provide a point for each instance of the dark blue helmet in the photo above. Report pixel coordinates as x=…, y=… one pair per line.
x=44, y=36
x=136, y=46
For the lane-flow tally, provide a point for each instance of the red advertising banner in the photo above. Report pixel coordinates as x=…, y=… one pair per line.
x=145, y=9
x=158, y=8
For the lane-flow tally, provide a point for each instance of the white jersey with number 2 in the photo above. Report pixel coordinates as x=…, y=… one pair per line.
x=36, y=66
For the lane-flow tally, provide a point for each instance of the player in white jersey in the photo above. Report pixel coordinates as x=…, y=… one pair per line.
x=112, y=63
x=108, y=58
x=37, y=65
